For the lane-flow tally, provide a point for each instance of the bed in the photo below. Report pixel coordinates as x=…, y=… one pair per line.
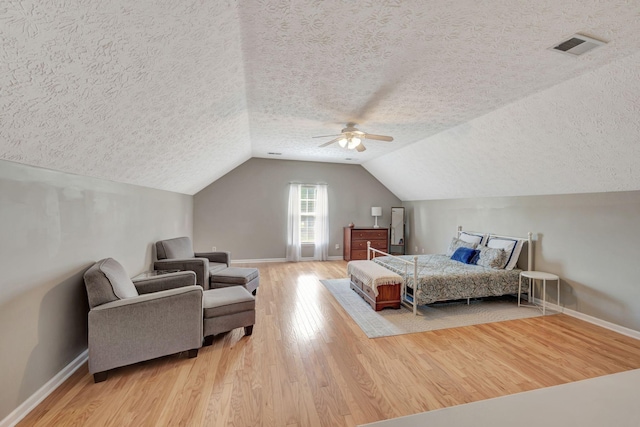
x=442, y=279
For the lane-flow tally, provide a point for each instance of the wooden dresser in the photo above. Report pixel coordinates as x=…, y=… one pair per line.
x=356, y=238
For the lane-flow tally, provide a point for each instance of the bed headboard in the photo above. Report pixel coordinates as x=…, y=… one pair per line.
x=526, y=255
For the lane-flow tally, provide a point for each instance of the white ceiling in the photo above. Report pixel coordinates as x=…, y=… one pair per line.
x=581, y=136
x=173, y=95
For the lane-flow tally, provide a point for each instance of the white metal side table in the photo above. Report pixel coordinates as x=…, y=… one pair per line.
x=538, y=275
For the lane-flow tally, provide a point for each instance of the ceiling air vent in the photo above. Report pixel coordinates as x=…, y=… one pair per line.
x=577, y=45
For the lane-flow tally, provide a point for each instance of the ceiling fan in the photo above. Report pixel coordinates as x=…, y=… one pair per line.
x=351, y=138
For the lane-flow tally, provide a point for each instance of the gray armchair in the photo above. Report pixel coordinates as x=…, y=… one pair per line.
x=178, y=254
x=130, y=323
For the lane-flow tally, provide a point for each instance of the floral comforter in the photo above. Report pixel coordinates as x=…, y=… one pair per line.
x=442, y=279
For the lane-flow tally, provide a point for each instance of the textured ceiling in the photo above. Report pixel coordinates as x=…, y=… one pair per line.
x=173, y=95
x=581, y=136
x=144, y=92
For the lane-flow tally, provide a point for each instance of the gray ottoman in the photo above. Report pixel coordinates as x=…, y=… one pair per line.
x=226, y=309
x=234, y=276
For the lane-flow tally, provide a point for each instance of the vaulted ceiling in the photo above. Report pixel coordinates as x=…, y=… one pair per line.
x=175, y=94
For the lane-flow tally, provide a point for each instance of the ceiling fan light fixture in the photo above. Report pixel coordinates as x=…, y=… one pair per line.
x=351, y=138
x=353, y=143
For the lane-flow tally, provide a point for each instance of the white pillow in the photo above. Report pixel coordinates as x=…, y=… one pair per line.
x=476, y=238
x=511, y=246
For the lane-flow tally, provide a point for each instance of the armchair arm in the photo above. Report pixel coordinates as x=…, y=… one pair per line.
x=200, y=266
x=223, y=257
x=165, y=281
x=134, y=329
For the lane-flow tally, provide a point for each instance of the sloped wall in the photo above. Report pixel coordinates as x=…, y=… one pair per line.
x=580, y=136
x=150, y=93
x=53, y=227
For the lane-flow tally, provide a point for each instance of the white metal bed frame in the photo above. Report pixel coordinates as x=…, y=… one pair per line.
x=411, y=303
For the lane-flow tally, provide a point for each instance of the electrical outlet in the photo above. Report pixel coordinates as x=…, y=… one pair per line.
x=337, y=246
x=213, y=248
x=416, y=249
x=422, y=250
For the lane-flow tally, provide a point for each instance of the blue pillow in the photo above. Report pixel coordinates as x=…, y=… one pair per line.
x=464, y=255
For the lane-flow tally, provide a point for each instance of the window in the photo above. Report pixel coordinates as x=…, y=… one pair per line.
x=308, y=221
x=308, y=205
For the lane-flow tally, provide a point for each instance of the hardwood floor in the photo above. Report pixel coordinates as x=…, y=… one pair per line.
x=308, y=364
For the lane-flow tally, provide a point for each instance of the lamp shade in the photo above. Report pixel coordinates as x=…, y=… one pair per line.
x=376, y=211
x=353, y=143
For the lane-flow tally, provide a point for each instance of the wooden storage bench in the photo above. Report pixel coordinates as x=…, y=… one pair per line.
x=378, y=286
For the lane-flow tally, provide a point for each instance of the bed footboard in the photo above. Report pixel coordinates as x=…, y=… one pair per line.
x=409, y=301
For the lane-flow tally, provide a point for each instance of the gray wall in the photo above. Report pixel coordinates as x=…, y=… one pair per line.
x=245, y=211
x=589, y=240
x=53, y=227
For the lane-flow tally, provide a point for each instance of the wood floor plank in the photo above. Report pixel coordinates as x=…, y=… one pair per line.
x=309, y=364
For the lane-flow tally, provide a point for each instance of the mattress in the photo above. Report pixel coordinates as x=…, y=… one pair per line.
x=443, y=279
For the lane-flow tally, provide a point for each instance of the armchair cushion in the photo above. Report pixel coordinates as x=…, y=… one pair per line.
x=180, y=247
x=101, y=289
x=122, y=285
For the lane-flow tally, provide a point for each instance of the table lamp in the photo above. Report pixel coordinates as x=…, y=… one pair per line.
x=376, y=212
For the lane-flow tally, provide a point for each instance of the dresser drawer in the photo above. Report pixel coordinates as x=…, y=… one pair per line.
x=369, y=234
x=362, y=244
x=359, y=254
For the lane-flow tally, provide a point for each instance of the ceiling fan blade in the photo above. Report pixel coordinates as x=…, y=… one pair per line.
x=326, y=136
x=372, y=103
x=332, y=141
x=378, y=137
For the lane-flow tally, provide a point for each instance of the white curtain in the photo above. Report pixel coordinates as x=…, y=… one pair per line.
x=321, y=228
x=293, y=224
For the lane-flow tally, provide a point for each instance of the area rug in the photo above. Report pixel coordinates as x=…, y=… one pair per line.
x=389, y=322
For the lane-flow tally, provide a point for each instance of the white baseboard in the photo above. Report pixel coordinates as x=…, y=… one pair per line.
x=607, y=325
x=254, y=261
x=34, y=400
x=594, y=320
